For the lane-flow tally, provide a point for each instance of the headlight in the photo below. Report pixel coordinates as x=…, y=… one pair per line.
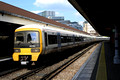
x=35, y=50
x=17, y=50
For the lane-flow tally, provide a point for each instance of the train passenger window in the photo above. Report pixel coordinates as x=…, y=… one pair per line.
x=70, y=39
x=19, y=38
x=52, y=39
x=63, y=39
x=76, y=39
x=80, y=38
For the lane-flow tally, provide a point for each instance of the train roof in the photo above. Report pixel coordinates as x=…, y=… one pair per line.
x=52, y=29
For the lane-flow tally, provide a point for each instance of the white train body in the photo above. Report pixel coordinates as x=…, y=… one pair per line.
x=34, y=40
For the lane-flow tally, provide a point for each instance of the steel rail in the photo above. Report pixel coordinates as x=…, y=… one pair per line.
x=62, y=67
x=53, y=73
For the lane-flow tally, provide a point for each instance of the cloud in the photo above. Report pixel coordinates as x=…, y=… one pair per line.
x=45, y=3
x=78, y=14
x=81, y=22
x=56, y=5
x=58, y=13
x=80, y=18
x=36, y=12
x=61, y=7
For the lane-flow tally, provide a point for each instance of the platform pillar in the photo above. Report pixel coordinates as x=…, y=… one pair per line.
x=117, y=55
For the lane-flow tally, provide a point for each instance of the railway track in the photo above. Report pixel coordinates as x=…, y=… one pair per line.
x=8, y=71
x=7, y=66
x=62, y=67
x=52, y=73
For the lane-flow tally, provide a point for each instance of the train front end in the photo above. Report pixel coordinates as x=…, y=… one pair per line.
x=27, y=45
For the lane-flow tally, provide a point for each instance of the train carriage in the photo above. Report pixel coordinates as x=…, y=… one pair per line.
x=34, y=40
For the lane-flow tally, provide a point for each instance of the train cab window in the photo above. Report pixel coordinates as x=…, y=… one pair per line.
x=19, y=38
x=32, y=37
x=26, y=39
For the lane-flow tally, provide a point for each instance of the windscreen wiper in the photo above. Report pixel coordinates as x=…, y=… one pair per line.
x=31, y=42
x=19, y=43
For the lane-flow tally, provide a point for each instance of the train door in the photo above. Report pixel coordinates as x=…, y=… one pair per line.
x=46, y=43
x=59, y=40
x=73, y=39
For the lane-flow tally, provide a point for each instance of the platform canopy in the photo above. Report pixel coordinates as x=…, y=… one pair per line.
x=103, y=15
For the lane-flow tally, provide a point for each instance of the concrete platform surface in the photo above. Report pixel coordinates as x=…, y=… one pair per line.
x=87, y=69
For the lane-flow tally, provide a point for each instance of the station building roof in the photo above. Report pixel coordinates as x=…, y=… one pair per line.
x=4, y=7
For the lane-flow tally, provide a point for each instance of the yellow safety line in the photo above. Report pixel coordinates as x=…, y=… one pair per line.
x=102, y=72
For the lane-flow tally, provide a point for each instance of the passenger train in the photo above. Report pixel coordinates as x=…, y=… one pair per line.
x=32, y=41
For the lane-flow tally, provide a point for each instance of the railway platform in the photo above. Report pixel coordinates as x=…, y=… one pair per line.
x=100, y=65
x=5, y=59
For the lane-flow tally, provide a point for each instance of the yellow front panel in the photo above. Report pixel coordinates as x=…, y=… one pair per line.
x=34, y=56
x=27, y=51
x=16, y=56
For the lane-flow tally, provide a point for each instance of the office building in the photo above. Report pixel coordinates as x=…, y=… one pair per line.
x=88, y=28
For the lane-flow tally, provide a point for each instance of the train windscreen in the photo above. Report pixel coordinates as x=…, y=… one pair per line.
x=27, y=39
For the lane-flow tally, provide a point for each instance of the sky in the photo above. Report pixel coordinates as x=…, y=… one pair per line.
x=61, y=7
